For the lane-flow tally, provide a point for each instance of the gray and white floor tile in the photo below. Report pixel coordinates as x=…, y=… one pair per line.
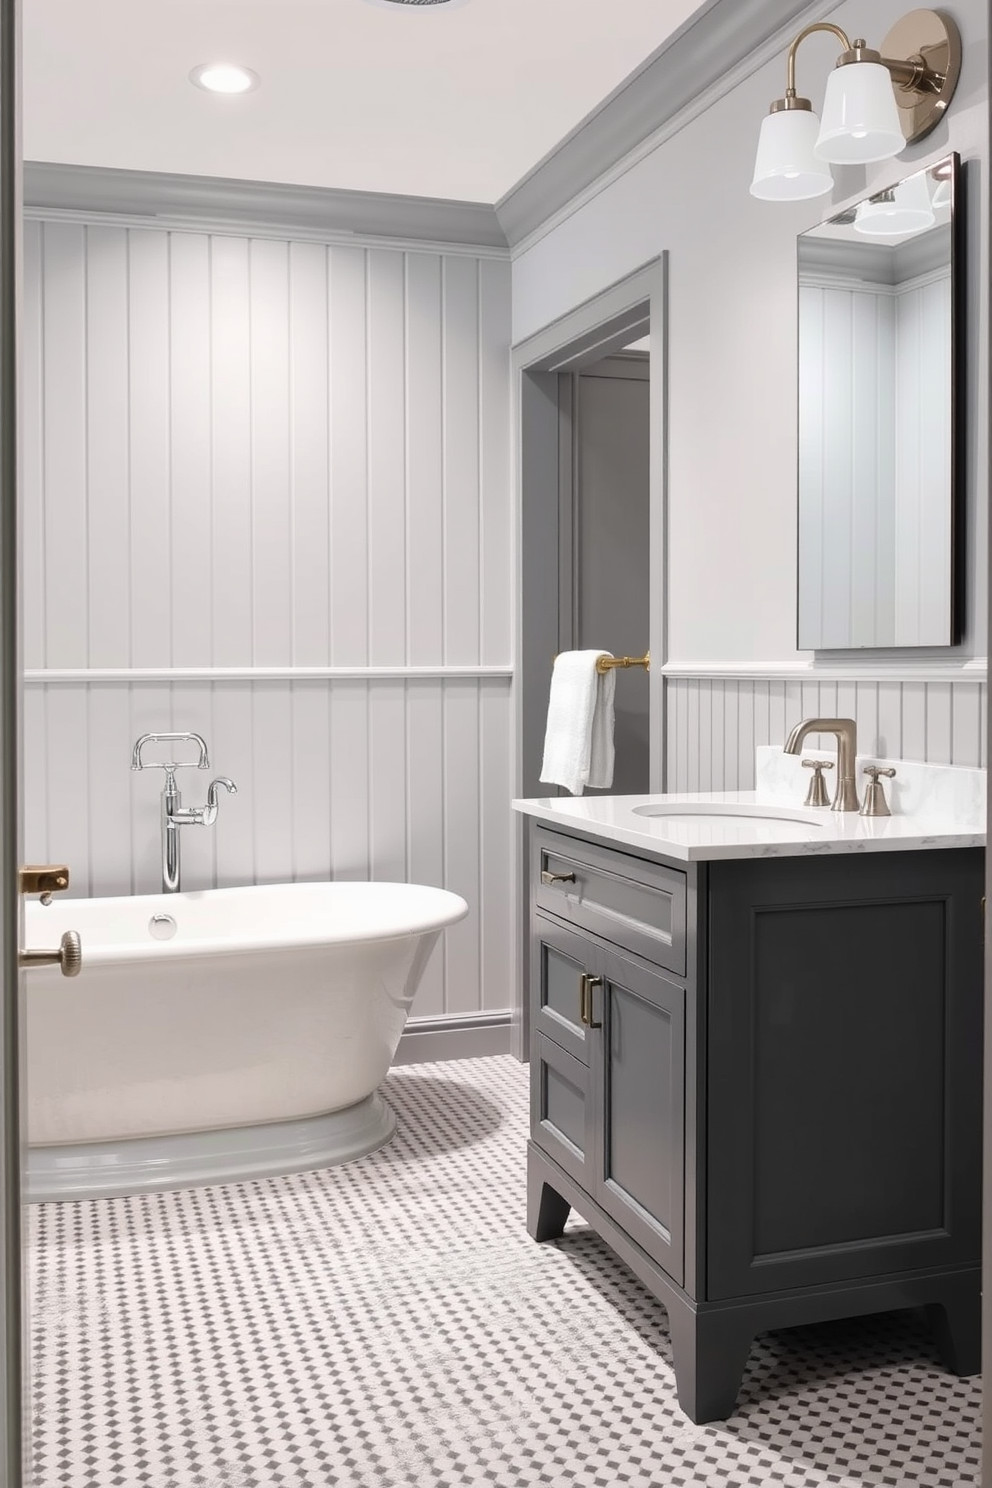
x=390, y=1323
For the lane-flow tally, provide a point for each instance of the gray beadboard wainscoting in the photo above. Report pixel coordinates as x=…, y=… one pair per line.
x=715, y=722
x=267, y=497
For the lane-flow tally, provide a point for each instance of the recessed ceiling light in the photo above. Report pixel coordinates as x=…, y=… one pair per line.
x=224, y=77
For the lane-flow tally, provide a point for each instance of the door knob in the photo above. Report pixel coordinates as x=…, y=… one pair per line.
x=69, y=956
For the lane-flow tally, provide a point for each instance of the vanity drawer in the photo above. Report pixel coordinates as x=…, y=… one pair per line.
x=628, y=901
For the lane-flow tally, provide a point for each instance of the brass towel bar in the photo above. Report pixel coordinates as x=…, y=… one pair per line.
x=610, y=663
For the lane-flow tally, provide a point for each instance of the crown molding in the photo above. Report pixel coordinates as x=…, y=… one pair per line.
x=713, y=51
x=193, y=201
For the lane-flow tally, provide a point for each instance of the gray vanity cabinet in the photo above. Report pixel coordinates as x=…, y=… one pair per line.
x=760, y=1082
x=608, y=1093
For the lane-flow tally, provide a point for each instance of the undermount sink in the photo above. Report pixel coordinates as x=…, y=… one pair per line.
x=700, y=813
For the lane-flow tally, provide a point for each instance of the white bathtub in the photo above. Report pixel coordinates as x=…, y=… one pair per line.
x=250, y=1042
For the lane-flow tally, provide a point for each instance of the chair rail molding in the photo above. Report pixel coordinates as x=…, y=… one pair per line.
x=42, y=676
x=973, y=669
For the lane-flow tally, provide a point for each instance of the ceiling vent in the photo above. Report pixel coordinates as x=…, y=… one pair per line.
x=393, y=4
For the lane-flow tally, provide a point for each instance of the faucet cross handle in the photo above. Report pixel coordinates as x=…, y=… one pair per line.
x=137, y=763
x=817, y=793
x=875, y=803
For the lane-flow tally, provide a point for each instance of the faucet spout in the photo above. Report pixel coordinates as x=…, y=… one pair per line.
x=845, y=730
x=211, y=808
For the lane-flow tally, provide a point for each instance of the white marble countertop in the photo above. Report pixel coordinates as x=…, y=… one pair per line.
x=946, y=809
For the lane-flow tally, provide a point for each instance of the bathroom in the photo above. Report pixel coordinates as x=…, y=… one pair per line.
x=272, y=498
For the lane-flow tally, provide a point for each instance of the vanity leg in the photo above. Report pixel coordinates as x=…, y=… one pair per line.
x=956, y=1322
x=547, y=1211
x=710, y=1352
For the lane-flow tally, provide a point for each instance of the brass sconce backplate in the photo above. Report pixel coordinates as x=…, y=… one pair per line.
x=935, y=39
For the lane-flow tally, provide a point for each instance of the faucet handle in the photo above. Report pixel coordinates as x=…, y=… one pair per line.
x=875, y=803
x=817, y=793
x=137, y=763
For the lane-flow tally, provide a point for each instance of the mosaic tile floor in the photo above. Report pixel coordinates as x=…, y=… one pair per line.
x=390, y=1323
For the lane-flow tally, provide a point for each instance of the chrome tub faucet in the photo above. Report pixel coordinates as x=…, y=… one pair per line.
x=846, y=732
x=174, y=814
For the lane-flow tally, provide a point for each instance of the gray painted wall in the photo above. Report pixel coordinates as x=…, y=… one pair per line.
x=732, y=358
x=267, y=498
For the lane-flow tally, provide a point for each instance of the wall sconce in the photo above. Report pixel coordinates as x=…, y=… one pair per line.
x=876, y=103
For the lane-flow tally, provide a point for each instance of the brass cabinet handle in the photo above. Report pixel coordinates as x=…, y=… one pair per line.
x=69, y=955
x=553, y=878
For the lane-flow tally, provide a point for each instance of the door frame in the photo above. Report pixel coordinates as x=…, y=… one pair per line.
x=12, y=1352
x=542, y=440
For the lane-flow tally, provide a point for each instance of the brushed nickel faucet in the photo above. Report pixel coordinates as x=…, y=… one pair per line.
x=846, y=732
x=174, y=814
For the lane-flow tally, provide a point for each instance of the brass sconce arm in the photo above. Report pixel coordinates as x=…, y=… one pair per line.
x=790, y=91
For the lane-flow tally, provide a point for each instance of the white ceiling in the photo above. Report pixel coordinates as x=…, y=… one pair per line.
x=452, y=102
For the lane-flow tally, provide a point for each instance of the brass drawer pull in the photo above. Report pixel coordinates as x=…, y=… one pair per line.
x=586, y=984
x=552, y=878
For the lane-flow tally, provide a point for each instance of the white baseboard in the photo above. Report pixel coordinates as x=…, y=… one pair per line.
x=454, y=1036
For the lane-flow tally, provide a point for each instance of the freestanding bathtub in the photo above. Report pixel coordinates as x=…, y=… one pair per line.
x=218, y=1036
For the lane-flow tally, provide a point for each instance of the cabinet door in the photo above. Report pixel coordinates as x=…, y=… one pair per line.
x=561, y=958
x=562, y=1114
x=639, y=1070
x=845, y=1069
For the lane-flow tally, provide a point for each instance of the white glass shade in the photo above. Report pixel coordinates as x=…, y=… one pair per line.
x=785, y=168
x=860, y=116
x=942, y=194
x=909, y=211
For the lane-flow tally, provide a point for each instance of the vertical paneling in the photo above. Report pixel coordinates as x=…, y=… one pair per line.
x=460, y=316
x=494, y=467
x=244, y=452
x=714, y=725
x=33, y=450
x=387, y=458
x=425, y=804
x=425, y=461
x=150, y=379
x=462, y=838
x=108, y=465
x=271, y=504
x=64, y=434
x=309, y=512
x=231, y=452
x=349, y=436
x=190, y=449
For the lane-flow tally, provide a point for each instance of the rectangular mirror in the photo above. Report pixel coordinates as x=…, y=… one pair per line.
x=877, y=510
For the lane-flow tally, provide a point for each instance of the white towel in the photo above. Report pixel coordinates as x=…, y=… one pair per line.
x=578, y=744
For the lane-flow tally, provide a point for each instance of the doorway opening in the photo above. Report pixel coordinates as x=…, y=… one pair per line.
x=591, y=438
x=591, y=442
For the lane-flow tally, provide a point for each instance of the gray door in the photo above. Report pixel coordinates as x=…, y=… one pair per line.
x=610, y=530
x=11, y=1475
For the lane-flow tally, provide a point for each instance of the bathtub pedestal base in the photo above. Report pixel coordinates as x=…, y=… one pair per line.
x=95, y=1170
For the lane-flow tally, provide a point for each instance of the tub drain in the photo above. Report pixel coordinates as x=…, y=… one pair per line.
x=162, y=927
